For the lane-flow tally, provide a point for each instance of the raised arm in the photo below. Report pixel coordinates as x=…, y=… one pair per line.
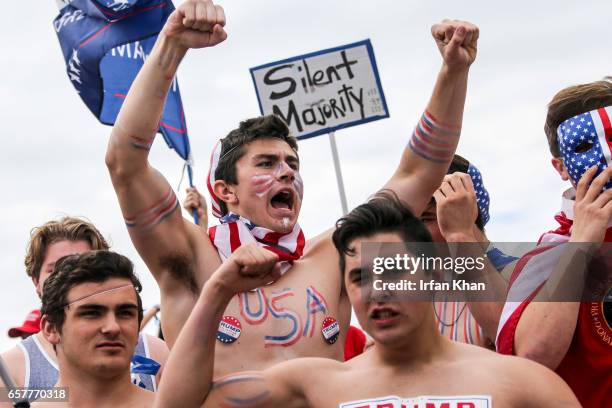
x=430, y=150
x=188, y=375
x=177, y=253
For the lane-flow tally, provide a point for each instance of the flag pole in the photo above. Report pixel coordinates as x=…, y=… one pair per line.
x=194, y=212
x=10, y=385
x=334, y=149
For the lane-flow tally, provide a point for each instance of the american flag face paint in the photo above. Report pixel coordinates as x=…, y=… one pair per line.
x=263, y=183
x=585, y=140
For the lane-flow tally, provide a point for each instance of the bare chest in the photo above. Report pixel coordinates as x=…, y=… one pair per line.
x=408, y=392
x=297, y=316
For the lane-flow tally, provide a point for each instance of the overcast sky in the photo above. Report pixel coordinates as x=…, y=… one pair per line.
x=52, y=156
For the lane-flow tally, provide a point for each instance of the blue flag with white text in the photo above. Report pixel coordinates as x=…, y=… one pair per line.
x=105, y=43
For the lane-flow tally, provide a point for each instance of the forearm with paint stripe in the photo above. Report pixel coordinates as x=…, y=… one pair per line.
x=433, y=141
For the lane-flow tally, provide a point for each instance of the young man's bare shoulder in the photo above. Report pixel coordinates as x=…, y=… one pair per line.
x=524, y=382
x=319, y=244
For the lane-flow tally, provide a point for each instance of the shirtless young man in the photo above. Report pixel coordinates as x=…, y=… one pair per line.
x=412, y=364
x=257, y=178
x=33, y=363
x=91, y=315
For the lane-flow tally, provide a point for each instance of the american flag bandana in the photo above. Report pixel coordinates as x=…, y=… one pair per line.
x=210, y=179
x=235, y=231
x=482, y=195
x=585, y=140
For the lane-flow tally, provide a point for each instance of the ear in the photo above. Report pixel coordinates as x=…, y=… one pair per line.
x=49, y=331
x=225, y=192
x=557, y=163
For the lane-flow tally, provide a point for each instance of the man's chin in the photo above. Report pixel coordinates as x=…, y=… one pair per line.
x=111, y=366
x=282, y=221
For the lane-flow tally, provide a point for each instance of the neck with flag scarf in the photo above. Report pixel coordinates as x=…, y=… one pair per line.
x=565, y=218
x=235, y=231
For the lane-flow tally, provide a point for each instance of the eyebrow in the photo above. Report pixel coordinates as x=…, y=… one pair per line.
x=95, y=306
x=267, y=156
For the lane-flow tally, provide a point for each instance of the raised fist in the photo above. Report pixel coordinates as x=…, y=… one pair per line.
x=456, y=206
x=249, y=267
x=457, y=42
x=196, y=24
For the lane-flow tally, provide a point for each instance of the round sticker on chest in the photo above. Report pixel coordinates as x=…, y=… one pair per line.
x=330, y=330
x=229, y=329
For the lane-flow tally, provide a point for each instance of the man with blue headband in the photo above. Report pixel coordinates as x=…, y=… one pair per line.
x=572, y=338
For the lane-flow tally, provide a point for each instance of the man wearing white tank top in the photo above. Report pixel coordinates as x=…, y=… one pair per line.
x=33, y=363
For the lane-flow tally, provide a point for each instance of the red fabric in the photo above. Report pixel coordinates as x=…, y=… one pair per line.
x=587, y=365
x=31, y=325
x=355, y=343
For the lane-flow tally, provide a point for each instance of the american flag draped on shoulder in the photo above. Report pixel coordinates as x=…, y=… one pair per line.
x=105, y=43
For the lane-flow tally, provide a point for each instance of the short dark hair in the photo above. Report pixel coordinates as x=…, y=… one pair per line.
x=461, y=164
x=573, y=101
x=232, y=146
x=73, y=270
x=384, y=212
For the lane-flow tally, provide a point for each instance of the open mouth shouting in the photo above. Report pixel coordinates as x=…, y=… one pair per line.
x=283, y=202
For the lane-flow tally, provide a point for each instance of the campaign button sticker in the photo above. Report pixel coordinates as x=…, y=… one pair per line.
x=330, y=329
x=229, y=329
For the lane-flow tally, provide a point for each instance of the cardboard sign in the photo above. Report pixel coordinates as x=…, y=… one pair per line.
x=323, y=91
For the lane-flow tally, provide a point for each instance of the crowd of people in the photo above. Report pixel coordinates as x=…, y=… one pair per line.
x=256, y=315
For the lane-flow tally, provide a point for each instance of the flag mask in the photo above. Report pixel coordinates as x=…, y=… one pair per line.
x=482, y=195
x=585, y=140
x=105, y=43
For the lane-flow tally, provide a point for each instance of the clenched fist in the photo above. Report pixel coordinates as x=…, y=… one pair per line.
x=457, y=42
x=196, y=24
x=249, y=267
x=456, y=207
